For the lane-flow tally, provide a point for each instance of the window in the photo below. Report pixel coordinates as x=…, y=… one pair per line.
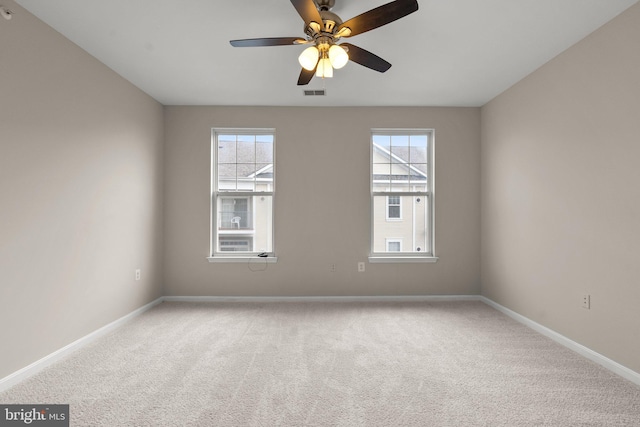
x=402, y=195
x=393, y=208
x=394, y=245
x=242, y=177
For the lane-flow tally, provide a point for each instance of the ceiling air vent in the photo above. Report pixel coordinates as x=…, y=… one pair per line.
x=317, y=92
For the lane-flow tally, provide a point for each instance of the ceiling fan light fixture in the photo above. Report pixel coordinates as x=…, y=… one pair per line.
x=324, y=28
x=342, y=32
x=338, y=56
x=324, y=68
x=309, y=58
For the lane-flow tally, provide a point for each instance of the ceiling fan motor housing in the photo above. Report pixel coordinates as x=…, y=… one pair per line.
x=325, y=4
x=330, y=21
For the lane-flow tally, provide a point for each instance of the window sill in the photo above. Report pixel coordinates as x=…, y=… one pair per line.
x=245, y=259
x=398, y=259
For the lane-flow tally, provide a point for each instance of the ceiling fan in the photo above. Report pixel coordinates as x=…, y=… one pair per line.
x=324, y=29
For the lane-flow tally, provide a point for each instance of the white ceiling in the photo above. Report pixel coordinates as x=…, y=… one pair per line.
x=448, y=53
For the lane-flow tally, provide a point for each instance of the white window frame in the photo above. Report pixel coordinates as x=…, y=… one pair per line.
x=216, y=255
x=428, y=196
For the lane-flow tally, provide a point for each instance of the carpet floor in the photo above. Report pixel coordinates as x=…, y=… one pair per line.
x=330, y=364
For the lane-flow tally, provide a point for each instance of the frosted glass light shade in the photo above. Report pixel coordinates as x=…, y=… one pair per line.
x=309, y=58
x=338, y=56
x=324, y=68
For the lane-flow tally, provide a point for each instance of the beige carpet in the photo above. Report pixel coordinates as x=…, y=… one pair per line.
x=330, y=364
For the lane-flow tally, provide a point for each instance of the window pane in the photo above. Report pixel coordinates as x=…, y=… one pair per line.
x=226, y=177
x=382, y=171
x=400, y=148
x=381, y=176
x=246, y=149
x=419, y=171
x=412, y=229
x=226, y=149
x=245, y=219
x=418, y=178
x=400, y=172
x=399, y=140
x=265, y=138
x=246, y=180
x=382, y=141
x=234, y=213
x=264, y=177
x=264, y=148
x=418, y=150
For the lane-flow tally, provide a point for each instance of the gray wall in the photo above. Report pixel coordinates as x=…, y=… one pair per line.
x=322, y=202
x=80, y=193
x=81, y=196
x=560, y=193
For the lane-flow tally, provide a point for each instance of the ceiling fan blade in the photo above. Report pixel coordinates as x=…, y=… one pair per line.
x=366, y=58
x=379, y=16
x=306, y=76
x=269, y=41
x=308, y=11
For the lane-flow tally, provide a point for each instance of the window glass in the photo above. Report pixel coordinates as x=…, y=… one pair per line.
x=243, y=177
x=402, y=192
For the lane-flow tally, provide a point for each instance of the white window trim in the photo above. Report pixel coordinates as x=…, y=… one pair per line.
x=234, y=257
x=242, y=258
x=401, y=259
x=406, y=257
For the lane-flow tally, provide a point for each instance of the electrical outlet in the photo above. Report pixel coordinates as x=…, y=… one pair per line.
x=332, y=267
x=586, y=301
x=138, y=274
x=361, y=266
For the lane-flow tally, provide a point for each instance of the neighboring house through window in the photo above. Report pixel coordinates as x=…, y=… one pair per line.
x=243, y=175
x=402, y=195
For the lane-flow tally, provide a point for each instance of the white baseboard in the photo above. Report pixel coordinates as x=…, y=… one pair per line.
x=39, y=365
x=383, y=298
x=611, y=365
